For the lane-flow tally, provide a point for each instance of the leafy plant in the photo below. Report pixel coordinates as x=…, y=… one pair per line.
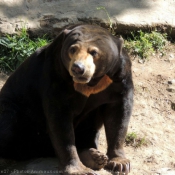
x=16, y=48
x=144, y=44
x=132, y=139
x=111, y=28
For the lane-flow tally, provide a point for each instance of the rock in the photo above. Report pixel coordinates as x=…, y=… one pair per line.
x=171, y=89
x=40, y=166
x=165, y=171
x=173, y=106
x=171, y=56
x=49, y=16
x=141, y=61
x=171, y=81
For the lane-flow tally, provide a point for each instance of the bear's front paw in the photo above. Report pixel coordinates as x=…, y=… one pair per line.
x=100, y=160
x=78, y=170
x=118, y=164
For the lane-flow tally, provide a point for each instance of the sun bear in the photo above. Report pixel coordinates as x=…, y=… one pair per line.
x=55, y=103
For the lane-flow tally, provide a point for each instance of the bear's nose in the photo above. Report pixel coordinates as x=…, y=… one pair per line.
x=78, y=68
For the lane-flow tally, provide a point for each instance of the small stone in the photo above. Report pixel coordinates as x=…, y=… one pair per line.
x=171, y=89
x=141, y=61
x=171, y=56
x=166, y=171
x=173, y=106
x=171, y=81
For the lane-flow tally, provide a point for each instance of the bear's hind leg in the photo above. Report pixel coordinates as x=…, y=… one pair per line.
x=8, y=123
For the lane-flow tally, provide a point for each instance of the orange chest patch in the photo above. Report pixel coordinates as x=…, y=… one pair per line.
x=87, y=90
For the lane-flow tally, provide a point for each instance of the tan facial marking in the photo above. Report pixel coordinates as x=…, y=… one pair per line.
x=80, y=54
x=87, y=90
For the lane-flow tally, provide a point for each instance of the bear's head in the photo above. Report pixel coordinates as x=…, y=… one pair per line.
x=89, y=52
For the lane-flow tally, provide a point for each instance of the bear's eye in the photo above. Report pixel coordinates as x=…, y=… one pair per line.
x=93, y=53
x=72, y=50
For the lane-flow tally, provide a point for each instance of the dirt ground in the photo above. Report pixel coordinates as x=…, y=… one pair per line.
x=153, y=116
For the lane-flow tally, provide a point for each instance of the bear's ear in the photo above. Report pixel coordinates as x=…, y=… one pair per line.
x=119, y=43
x=66, y=31
x=117, y=55
x=57, y=43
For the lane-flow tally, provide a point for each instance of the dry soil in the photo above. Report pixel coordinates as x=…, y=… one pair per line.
x=153, y=116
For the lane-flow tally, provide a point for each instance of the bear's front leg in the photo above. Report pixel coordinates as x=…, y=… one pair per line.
x=60, y=128
x=116, y=120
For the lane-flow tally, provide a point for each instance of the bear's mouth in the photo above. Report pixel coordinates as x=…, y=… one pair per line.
x=81, y=79
x=90, y=81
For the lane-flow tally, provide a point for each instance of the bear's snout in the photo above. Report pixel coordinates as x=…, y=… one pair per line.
x=78, y=68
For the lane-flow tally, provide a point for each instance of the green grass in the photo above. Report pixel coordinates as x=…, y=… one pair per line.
x=111, y=27
x=132, y=139
x=16, y=48
x=141, y=43
x=144, y=44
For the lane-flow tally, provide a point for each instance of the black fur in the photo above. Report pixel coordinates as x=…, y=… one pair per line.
x=41, y=114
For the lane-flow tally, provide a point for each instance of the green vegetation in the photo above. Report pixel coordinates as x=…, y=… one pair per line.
x=145, y=44
x=111, y=27
x=132, y=139
x=141, y=43
x=16, y=48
